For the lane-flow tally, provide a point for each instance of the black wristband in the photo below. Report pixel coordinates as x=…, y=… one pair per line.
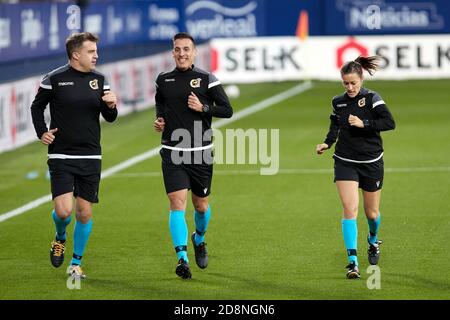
x=366, y=123
x=205, y=108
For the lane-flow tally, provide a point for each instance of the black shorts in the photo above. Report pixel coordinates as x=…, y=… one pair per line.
x=80, y=176
x=369, y=175
x=193, y=175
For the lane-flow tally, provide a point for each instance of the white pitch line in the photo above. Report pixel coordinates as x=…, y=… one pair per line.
x=282, y=171
x=153, y=152
x=30, y=205
x=265, y=104
x=418, y=169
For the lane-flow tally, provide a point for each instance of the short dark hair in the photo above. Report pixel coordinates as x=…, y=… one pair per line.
x=75, y=41
x=183, y=35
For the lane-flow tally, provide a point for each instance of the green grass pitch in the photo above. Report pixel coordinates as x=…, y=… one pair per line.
x=270, y=237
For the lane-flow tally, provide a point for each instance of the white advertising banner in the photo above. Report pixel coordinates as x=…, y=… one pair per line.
x=402, y=57
x=16, y=127
x=258, y=59
x=289, y=58
x=5, y=115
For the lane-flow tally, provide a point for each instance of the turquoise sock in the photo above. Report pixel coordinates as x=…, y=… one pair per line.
x=201, y=224
x=373, y=229
x=179, y=232
x=80, y=239
x=350, y=232
x=60, y=226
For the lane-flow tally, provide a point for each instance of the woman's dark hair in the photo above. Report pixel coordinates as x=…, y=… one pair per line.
x=370, y=64
x=75, y=41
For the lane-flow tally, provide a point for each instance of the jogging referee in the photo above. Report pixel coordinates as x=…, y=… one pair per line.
x=186, y=100
x=357, y=118
x=77, y=96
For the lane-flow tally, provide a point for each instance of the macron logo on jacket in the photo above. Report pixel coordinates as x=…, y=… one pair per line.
x=68, y=83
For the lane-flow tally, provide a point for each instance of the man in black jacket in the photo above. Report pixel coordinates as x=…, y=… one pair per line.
x=186, y=100
x=77, y=95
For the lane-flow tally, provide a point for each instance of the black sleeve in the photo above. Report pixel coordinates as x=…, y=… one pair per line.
x=382, y=118
x=38, y=106
x=109, y=114
x=333, y=132
x=159, y=101
x=222, y=107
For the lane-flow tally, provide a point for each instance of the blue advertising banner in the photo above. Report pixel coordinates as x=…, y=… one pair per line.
x=124, y=22
x=224, y=18
x=29, y=30
x=33, y=30
x=165, y=18
x=364, y=17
